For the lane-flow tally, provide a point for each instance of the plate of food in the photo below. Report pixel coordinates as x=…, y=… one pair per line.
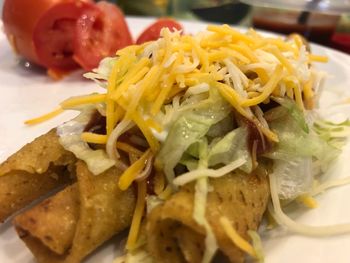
x=211, y=144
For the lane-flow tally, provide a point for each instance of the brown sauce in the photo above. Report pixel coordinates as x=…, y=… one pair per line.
x=319, y=28
x=97, y=124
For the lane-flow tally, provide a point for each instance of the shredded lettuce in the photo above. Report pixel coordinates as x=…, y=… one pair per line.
x=299, y=152
x=229, y=148
x=101, y=74
x=293, y=110
x=70, y=138
x=222, y=127
x=294, y=177
x=281, y=218
x=200, y=204
x=189, y=128
x=334, y=133
x=295, y=142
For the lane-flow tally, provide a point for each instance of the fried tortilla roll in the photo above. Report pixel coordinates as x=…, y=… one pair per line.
x=33, y=171
x=174, y=236
x=74, y=222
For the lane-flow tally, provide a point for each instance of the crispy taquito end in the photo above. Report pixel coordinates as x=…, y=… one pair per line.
x=70, y=225
x=33, y=171
x=174, y=236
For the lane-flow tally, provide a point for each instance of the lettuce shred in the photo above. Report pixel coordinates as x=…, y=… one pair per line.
x=189, y=128
x=70, y=138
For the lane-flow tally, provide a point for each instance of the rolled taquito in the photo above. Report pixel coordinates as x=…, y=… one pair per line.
x=33, y=171
x=68, y=226
x=174, y=236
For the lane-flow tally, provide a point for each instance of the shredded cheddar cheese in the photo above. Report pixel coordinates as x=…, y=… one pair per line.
x=132, y=172
x=44, y=117
x=82, y=100
x=129, y=149
x=138, y=213
x=239, y=241
x=307, y=200
x=267, y=89
x=146, y=77
x=317, y=58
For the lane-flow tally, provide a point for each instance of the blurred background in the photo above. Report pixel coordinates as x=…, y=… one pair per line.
x=326, y=22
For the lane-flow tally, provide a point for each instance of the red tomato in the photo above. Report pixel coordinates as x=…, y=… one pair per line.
x=54, y=34
x=100, y=33
x=153, y=31
x=48, y=23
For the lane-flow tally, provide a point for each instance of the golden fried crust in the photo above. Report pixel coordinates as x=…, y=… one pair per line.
x=98, y=209
x=61, y=210
x=33, y=171
x=240, y=197
x=37, y=156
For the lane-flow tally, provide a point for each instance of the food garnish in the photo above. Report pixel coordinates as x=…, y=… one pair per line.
x=64, y=35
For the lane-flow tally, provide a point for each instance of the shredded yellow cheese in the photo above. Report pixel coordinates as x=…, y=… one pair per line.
x=226, y=30
x=240, y=242
x=282, y=59
x=131, y=77
x=166, y=193
x=133, y=171
x=128, y=149
x=94, y=138
x=307, y=200
x=318, y=58
x=146, y=130
x=44, y=117
x=267, y=89
x=138, y=213
x=83, y=100
x=308, y=94
x=159, y=183
x=297, y=40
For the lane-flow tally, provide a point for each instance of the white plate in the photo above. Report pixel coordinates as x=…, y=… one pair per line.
x=25, y=94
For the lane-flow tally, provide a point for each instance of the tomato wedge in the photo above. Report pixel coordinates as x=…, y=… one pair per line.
x=153, y=31
x=100, y=33
x=40, y=30
x=54, y=34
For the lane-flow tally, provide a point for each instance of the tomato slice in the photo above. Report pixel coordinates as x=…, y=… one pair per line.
x=21, y=19
x=53, y=35
x=100, y=33
x=153, y=31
